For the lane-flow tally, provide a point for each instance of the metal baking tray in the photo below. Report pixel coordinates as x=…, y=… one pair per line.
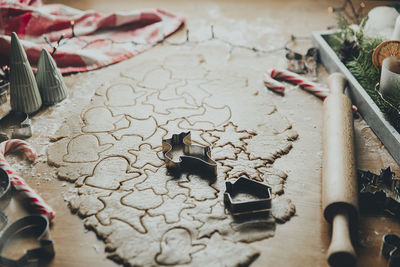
x=366, y=106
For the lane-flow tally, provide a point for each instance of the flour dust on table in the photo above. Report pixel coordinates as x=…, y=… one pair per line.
x=123, y=192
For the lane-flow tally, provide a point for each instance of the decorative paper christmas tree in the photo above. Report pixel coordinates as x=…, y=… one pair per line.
x=49, y=80
x=24, y=92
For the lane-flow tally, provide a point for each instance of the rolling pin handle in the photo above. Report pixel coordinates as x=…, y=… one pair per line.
x=341, y=251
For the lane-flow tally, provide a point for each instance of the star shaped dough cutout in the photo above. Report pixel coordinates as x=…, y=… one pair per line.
x=171, y=208
x=146, y=155
x=225, y=152
x=244, y=166
x=114, y=209
x=157, y=181
x=222, y=252
x=215, y=221
x=230, y=134
x=200, y=189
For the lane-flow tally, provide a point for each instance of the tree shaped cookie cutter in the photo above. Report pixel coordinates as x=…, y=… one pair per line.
x=36, y=223
x=195, y=158
x=251, y=188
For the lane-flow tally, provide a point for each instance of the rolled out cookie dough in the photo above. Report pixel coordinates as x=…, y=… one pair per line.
x=124, y=193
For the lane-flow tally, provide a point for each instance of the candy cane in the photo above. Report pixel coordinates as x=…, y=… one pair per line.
x=293, y=78
x=271, y=82
x=19, y=183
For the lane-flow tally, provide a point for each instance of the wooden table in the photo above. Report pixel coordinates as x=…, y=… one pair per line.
x=304, y=239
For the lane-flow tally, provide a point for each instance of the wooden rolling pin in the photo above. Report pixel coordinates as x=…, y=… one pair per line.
x=339, y=180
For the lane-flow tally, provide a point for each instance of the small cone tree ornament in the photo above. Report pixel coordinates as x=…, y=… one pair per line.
x=49, y=80
x=24, y=92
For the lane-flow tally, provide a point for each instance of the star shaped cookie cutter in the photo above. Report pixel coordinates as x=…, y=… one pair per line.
x=260, y=193
x=195, y=158
x=32, y=257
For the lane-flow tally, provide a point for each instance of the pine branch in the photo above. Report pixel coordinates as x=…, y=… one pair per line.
x=362, y=68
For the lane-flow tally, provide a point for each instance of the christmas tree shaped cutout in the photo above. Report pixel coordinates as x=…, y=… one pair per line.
x=24, y=92
x=49, y=80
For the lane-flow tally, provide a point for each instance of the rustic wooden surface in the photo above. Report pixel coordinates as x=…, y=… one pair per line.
x=304, y=239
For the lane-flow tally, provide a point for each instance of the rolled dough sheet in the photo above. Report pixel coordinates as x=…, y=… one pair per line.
x=112, y=154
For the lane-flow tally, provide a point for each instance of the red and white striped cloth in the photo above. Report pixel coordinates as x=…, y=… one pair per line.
x=98, y=39
x=19, y=184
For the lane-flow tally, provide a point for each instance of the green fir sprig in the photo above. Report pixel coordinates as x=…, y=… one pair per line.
x=345, y=43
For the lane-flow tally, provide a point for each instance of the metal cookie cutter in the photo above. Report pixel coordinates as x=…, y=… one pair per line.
x=4, y=90
x=295, y=62
x=5, y=189
x=25, y=130
x=16, y=124
x=194, y=159
x=380, y=191
x=299, y=63
x=259, y=192
x=31, y=257
x=391, y=249
x=5, y=196
x=310, y=61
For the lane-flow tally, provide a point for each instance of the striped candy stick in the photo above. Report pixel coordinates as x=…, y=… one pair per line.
x=273, y=84
x=292, y=77
x=270, y=80
x=19, y=184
